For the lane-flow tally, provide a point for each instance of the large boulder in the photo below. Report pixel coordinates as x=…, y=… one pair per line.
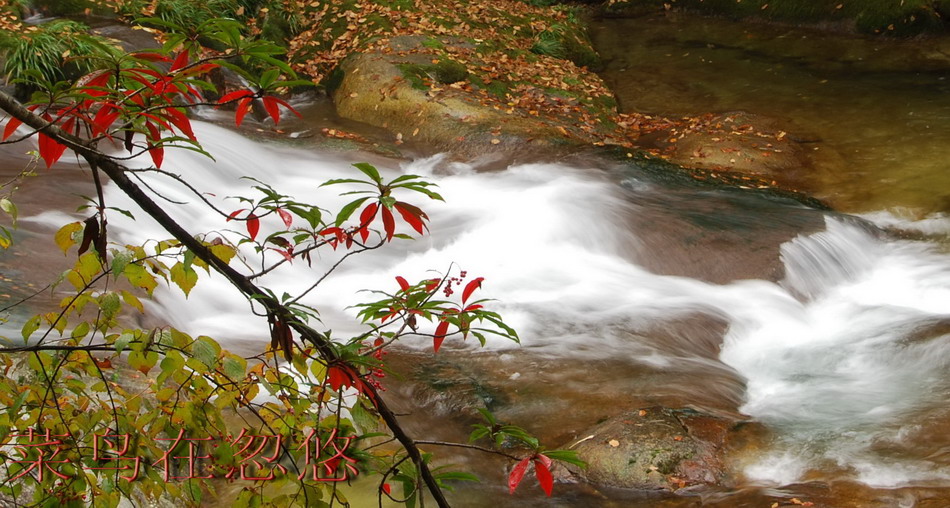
x=385, y=90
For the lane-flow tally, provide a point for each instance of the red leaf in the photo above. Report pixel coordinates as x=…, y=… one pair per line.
x=433, y=284
x=50, y=150
x=543, y=474
x=386, y=488
x=198, y=69
x=368, y=214
x=471, y=287
x=402, y=283
x=11, y=127
x=235, y=214
x=470, y=308
x=105, y=117
x=151, y=57
x=285, y=216
x=253, y=225
x=242, y=108
x=339, y=376
x=181, y=121
x=240, y=94
x=544, y=460
x=99, y=80
x=160, y=121
x=284, y=253
x=91, y=81
x=412, y=215
x=153, y=132
x=157, y=153
x=517, y=473
x=141, y=79
x=440, y=332
x=270, y=104
x=286, y=105
x=389, y=224
x=180, y=61
x=366, y=217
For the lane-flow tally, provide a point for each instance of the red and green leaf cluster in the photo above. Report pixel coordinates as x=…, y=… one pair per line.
x=413, y=301
x=145, y=93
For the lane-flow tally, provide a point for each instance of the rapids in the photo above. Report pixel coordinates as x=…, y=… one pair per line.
x=833, y=343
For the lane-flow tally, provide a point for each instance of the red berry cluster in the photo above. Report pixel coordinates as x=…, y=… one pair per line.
x=447, y=290
x=374, y=375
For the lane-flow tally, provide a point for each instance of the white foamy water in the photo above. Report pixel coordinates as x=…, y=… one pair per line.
x=831, y=355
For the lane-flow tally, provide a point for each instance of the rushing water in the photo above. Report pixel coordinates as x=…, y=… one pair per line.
x=820, y=325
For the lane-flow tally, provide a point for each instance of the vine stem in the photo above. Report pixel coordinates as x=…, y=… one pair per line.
x=117, y=173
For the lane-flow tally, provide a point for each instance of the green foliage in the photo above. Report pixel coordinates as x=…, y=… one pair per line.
x=190, y=14
x=567, y=41
x=58, y=50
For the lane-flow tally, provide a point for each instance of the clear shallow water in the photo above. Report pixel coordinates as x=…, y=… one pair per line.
x=876, y=112
x=828, y=330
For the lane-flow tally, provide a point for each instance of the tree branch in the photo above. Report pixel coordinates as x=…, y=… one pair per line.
x=117, y=173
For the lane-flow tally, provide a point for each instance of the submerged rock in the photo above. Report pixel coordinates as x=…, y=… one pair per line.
x=655, y=448
x=739, y=142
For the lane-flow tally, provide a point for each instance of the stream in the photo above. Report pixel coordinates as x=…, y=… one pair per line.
x=832, y=330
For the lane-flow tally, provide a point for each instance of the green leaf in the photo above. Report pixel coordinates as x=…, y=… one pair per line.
x=110, y=304
x=234, y=367
x=184, y=276
x=206, y=350
x=30, y=326
x=223, y=252
x=132, y=300
x=348, y=210
x=268, y=78
x=569, y=456
x=369, y=170
x=7, y=206
x=88, y=266
x=172, y=363
x=139, y=277
x=64, y=237
x=80, y=331
x=120, y=259
x=336, y=181
x=364, y=420
x=122, y=342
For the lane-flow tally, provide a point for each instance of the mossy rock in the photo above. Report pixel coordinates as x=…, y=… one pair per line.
x=654, y=448
x=446, y=71
x=390, y=91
